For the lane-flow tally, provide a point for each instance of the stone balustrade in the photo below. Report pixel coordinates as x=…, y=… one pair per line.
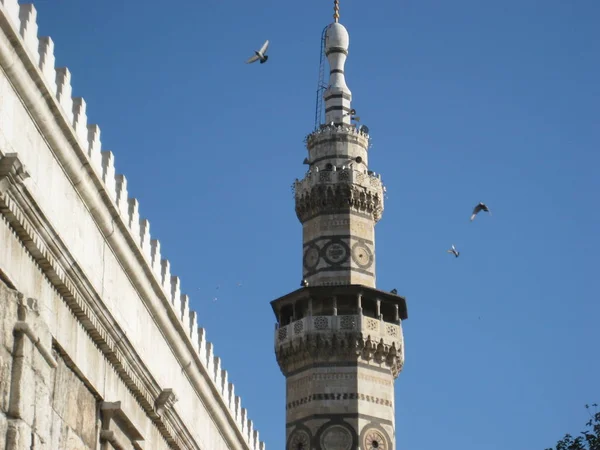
x=328, y=131
x=347, y=175
x=343, y=338
x=368, y=326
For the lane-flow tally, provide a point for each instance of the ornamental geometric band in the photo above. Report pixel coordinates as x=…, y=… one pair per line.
x=338, y=396
x=338, y=198
x=336, y=255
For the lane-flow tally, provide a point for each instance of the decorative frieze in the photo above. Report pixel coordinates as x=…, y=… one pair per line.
x=339, y=396
x=354, y=347
x=332, y=199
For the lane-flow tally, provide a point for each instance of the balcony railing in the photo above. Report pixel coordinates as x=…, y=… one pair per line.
x=368, y=326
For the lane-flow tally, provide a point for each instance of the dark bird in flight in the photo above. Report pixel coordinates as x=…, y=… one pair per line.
x=480, y=207
x=260, y=54
x=454, y=251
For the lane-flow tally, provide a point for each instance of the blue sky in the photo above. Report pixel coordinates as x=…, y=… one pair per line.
x=466, y=101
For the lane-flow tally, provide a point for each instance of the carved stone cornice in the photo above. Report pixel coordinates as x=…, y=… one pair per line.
x=323, y=199
x=338, y=347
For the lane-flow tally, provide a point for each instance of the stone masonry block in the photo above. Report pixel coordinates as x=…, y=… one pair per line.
x=18, y=436
x=5, y=370
x=22, y=396
x=75, y=404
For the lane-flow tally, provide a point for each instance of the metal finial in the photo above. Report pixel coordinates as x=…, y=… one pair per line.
x=336, y=10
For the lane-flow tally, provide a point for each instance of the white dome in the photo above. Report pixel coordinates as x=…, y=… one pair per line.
x=336, y=36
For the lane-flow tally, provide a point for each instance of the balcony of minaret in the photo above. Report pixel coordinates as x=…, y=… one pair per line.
x=339, y=324
x=337, y=142
x=339, y=188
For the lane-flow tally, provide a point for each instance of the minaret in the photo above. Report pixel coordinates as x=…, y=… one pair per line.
x=338, y=340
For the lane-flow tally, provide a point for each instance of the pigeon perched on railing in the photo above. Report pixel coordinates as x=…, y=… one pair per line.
x=480, y=207
x=454, y=251
x=260, y=54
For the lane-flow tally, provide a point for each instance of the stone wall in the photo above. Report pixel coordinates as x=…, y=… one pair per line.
x=108, y=307
x=43, y=403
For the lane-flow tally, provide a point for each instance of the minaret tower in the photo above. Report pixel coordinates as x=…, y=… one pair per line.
x=338, y=339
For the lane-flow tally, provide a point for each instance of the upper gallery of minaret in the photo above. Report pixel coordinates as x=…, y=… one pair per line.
x=339, y=200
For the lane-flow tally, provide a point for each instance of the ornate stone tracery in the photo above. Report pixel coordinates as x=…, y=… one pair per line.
x=300, y=441
x=374, y=440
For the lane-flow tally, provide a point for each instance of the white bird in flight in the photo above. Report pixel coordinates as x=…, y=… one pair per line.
x=260, y=54
x=480, y=207
x=454, y=251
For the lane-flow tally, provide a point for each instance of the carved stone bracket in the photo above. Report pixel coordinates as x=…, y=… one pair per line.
x=113, y=416
x=165, y=401
x=332, y=198
x=12, y=171
x=338, y=347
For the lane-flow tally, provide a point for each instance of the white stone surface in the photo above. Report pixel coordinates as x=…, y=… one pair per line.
x=87, y=245
x=337, y=93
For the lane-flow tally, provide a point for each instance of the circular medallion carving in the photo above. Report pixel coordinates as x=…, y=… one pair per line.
x=311, y=257
x=336, y=438
x=362, y=255
x=336, y=252
x=300, y=441
x=374, y=440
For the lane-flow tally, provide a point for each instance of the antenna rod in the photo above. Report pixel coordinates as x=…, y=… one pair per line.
x=336, y=10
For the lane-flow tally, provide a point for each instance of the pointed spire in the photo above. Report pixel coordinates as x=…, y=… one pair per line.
x=336, y=10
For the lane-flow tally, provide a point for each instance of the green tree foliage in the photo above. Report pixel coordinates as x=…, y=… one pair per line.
x=589, y=438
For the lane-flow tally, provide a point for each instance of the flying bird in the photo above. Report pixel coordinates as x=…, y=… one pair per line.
x=260, y=54
x=480, y=207
x=454, y=251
